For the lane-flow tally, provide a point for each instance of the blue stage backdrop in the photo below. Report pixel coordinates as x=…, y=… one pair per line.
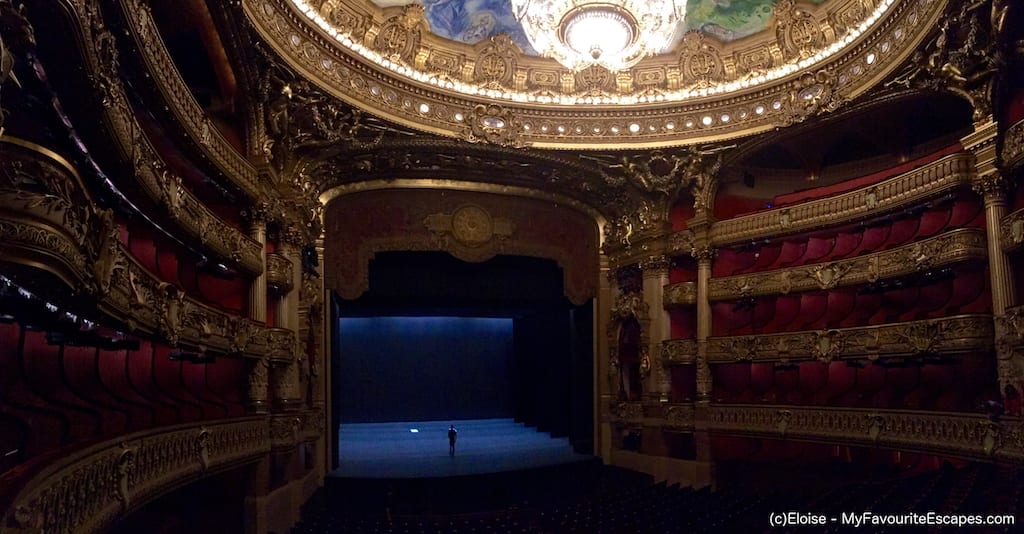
x=423, y=368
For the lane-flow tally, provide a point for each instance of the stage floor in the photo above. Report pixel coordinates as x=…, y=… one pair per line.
x=393, y=450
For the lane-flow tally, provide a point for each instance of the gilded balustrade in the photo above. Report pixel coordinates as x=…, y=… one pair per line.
x=89, y=489
x=909, y=188
x=953, y=434
x=279, y=273
x=1013, y=147
x=100, y=60
x=967, y=334
x=945, y=249
x=1011, y=231
x=48, y=221
x=179, y=99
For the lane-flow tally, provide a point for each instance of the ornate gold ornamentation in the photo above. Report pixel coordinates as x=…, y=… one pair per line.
x=962, y=334
x=191, y=215
x=279, y=273
x=1013, y=147
x=906, y=189
x=258, y=381
x=493, y=124
x=164, y=73
x=958, y=435
x=678, y=416
x=992, y=184
x=545, y=97
x=1011, y=231
x=680, y=294
x=944, y=249
x=700, y=62
x=679, y=351
x=88, y=490
x=399, y=36
x=477, y=235
x=623, y=412
x=496, y=64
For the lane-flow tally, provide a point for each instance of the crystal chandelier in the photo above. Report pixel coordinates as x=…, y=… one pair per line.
x=613, y=33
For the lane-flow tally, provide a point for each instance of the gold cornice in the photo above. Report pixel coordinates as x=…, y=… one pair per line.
x=889, y=195
x=951, y=247
x=949, y=434
x=959, y=334
x=461, y=185
x=164, y=74
x=1013, y=147
x=788, y=99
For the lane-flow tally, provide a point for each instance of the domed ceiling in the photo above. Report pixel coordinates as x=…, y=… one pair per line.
x=467, y=68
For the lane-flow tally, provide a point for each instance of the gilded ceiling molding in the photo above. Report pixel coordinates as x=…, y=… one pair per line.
x=949, y=434
x=190, y=115
x=90, y=489
x=459, y=185
x=972, y=334
x=895, y=193
x=1013, y=148
x=951, y=247
x=665, y=100
x=100, y=60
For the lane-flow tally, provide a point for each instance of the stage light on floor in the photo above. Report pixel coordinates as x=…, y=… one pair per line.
x=414, y=430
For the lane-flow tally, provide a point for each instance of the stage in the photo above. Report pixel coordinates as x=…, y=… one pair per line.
x=420, y=449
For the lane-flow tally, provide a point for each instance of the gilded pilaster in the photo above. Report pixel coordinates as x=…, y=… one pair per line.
x=703, y=255
x=603, y=391
x=259, y=386
x=655, y=278
x=993, y=186
x=258, y=285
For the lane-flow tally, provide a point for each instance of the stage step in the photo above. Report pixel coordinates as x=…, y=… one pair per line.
x=412, y=449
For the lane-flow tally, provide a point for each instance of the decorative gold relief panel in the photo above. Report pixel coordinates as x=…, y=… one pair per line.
x=1013, y=147
x=679, y=351
x=679, y=294
x=164, y=73
x=927, y=181
x=279, y=273
x=953, y=434
x=951, y=247
x=702, y=91
x=1011, y=231
x=971, y=334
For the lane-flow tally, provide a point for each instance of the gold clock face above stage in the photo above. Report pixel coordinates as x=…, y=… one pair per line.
x=466, y=69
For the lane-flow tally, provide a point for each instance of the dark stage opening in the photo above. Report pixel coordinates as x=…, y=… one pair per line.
x=438, y=339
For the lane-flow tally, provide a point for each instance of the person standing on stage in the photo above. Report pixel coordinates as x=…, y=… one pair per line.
x=452, y=436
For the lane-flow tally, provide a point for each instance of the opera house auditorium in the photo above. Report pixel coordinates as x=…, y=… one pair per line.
x=514, y=266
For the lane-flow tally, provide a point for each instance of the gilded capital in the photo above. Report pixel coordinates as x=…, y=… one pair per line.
x=655, y=265
x=991, y=185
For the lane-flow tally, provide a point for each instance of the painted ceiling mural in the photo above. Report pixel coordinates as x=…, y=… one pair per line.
x=471, y=21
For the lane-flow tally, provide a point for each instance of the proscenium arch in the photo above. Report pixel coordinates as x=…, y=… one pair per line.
x=583, y=216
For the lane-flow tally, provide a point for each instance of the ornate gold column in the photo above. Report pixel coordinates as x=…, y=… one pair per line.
x=655, y=278
x=287, y=377
x=259, y=386
x=258, y=285
x=993, y=187
x=703, y=255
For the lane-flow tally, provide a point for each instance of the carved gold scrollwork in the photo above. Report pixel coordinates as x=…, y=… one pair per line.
x=1013, y=147
x=279, y=273
x=678, y=351
x=493, y=124
x=495, y=66
x=799, y=35
x=699, y=61
x=399, y=37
